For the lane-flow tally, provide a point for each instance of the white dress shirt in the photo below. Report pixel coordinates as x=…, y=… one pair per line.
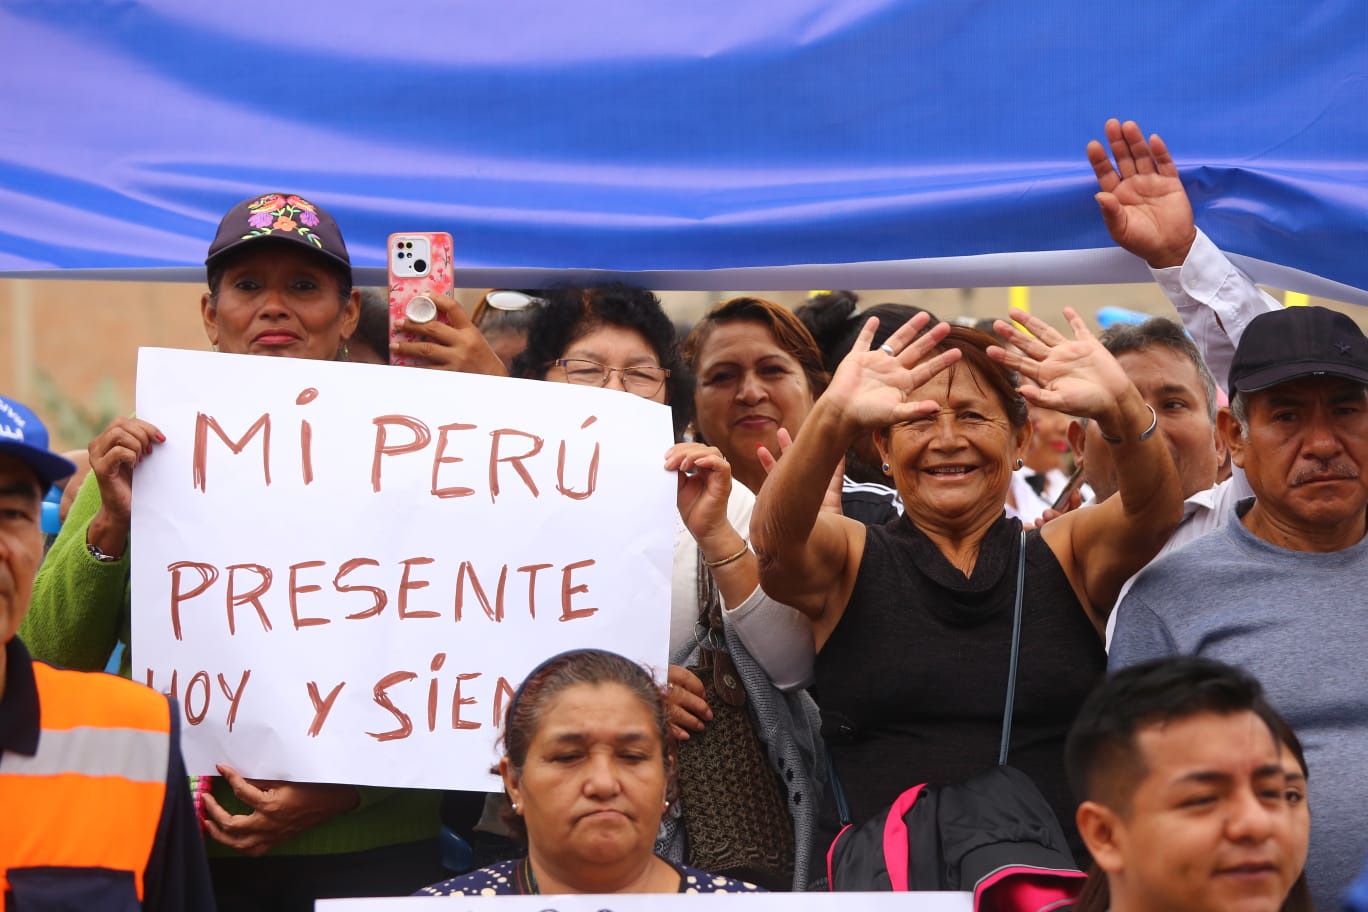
x=1216, y=301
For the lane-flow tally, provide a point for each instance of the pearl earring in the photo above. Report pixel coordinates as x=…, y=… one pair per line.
x=514, y=805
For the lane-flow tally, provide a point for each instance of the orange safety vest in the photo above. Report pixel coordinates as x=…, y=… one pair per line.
x=92, y=796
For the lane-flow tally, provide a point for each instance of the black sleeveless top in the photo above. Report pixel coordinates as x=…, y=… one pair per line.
x=912, y=681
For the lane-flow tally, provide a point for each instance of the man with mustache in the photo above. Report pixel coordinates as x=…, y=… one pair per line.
x=1278, y=589
x=1147, y=212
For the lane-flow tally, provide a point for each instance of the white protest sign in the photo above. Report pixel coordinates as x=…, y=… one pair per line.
x=343, y=570
x=650, y=902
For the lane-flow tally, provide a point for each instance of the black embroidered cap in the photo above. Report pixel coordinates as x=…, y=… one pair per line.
x=279, y=217
x=1298, y=342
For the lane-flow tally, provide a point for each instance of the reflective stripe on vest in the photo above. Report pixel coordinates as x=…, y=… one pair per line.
x=93, y=794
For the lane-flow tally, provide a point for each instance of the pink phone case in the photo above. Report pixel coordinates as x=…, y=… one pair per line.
x=405, y=282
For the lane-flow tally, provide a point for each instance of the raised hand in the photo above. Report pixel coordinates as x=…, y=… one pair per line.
x=705, y=483
x=1142, y=199
x=831, y=501
x=1076, y=376
x=455, y=345
x=872, y=387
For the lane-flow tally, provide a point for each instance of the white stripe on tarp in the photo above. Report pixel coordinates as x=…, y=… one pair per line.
x=1094, y=266
x=126, y=753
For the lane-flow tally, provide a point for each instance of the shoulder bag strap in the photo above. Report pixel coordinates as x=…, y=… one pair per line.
x=1016, y=648
x=709, y=603
x=843, y=809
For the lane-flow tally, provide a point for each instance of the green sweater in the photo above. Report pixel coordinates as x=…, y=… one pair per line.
x=81, y=608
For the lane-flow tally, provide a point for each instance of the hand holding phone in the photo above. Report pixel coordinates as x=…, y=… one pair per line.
x=1061, y=503
x=420, y=266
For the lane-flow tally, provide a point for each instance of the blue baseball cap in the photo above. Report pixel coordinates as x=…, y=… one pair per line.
x=25, y=438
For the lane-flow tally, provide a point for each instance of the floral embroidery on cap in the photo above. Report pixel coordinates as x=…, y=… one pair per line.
x=275, y=212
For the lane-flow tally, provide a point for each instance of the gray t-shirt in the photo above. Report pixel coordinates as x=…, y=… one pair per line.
x=1296, y=620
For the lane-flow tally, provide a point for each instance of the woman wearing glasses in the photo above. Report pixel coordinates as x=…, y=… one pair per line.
x=618, y=337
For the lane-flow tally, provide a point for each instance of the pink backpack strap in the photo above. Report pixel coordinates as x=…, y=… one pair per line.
x=895, y=838
x=831, y=881
x=1028, y=889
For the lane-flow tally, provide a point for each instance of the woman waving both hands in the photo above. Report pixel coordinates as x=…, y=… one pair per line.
x=947, y=412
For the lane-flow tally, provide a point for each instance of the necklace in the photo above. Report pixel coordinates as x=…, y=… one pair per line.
x=526, y=880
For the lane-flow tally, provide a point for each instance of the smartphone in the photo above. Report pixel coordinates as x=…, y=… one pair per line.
x=1073, y=484
x=419, y=266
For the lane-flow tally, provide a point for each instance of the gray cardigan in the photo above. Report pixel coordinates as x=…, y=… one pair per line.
x=790, y=727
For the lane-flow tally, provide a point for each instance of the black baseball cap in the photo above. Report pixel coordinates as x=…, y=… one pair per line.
x=1296, y=342
x=279, y=217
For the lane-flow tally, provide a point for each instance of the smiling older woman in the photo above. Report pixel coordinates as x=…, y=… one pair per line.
x=913, y=619
x=589, y=767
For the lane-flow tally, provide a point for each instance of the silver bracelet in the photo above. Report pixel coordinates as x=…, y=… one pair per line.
x=1154, y=423
x=101, y=556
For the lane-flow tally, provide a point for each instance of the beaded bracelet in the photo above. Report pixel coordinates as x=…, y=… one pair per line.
x=1116, y=441
x=712, y=564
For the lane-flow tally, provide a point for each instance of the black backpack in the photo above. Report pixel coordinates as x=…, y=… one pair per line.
x=994, y=835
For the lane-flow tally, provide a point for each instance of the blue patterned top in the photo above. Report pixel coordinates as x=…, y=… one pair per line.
x=511, y=878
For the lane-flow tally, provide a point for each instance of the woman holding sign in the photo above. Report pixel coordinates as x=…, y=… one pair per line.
x=280, y=284
x=619, y=337
x=589, y=769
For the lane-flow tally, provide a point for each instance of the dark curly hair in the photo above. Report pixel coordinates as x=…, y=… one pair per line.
x=572, y=312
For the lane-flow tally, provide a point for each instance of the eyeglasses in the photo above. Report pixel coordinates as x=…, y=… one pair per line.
x=643, y=380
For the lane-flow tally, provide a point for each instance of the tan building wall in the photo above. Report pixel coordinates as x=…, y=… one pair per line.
x=84, y=336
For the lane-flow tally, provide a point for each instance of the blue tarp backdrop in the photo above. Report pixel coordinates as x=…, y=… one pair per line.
x=714, y=143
